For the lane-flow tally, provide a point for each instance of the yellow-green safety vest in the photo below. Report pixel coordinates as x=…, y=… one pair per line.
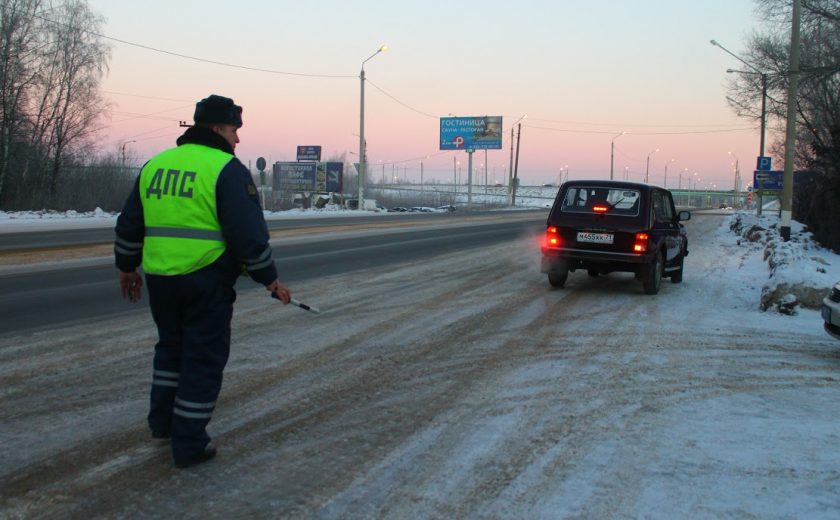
x=178, y=193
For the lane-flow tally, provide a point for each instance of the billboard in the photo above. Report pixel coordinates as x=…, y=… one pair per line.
x=471, y=133
x=329, y=177
x=294, y=176
x=768, y=180
x=321, y=177
x=308, y=153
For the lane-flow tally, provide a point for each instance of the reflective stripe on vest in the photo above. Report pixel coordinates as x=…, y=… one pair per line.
x=178, y=193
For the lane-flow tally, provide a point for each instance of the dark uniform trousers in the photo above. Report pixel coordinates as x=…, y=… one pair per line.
x=192, y=313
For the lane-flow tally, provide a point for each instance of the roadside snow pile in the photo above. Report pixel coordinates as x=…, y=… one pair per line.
x=51, y=214
x=801, y=272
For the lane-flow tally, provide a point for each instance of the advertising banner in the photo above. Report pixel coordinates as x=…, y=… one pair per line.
x=308, y=153
x=334, y=182
x=294, y=176
x=471, y=133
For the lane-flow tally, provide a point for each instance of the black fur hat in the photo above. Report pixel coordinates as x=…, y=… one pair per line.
x=218, y=109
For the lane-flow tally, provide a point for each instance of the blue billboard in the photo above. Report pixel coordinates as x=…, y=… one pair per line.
x=471, y=133
x=770, y=180
x=329, y=177
x=308, y=153
x=294, y=176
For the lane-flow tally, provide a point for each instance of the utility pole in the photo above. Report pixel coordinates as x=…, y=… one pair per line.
x=516, y=165
x=510, y=171
x=790, y=135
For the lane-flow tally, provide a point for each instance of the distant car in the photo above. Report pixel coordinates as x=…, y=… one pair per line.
x=606, y=226
x=421, y=209
x=397, y=210
x=831, y=312
x=447, y=207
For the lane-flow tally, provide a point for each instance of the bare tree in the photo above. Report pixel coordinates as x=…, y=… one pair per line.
x=818, y=102
x=19, y=54
x=69, y=105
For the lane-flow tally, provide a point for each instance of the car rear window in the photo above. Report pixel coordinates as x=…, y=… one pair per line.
x=601, y=200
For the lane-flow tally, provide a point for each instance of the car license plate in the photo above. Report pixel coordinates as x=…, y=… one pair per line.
x=595, y=238
x=826, y=314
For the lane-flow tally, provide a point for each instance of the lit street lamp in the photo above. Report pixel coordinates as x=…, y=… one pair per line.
x=612, y=153
x=362, y=151
x=647, y=171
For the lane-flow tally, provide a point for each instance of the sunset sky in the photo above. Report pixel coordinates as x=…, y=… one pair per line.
x=583, y=72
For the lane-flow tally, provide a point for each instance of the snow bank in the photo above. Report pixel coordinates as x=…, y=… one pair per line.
x=800, y=272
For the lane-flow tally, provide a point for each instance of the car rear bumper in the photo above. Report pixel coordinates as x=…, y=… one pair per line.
x=552, y=257
x=831, y=317
x=598, y=256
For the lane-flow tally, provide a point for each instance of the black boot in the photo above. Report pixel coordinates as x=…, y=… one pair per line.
x=208, y=453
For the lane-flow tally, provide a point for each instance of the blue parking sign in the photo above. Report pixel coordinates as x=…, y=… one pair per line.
x=762, y=164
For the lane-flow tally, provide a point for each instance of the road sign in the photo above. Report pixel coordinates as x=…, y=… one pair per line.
x=476, y=133
x=308, y=153
x=762, y=163
x=261, y=164
x=768, y=180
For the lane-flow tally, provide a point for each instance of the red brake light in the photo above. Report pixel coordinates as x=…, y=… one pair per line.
x=599, y=209
x=552, y=237
x=641, y=243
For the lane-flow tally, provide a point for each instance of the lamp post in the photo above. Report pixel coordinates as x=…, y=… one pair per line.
x=612, y=153
x=763, y=89
x=647, y=170
x=665, y=181
x=362, y=151
x=736, y=193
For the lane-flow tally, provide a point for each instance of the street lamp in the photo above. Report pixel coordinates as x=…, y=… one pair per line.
x=763, y=89
x=665, y=183
x=647, y=171
x=362, y=151
x=737, y=195
x=612, y=153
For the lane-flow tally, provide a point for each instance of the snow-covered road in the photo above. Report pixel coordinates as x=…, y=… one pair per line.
x=460, y=388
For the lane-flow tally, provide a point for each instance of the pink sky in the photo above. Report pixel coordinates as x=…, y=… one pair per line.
x=582, y=74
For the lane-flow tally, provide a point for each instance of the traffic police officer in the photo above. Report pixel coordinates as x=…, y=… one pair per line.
x=194, y=221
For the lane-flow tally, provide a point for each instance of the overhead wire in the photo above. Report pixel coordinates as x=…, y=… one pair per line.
x=380, y=89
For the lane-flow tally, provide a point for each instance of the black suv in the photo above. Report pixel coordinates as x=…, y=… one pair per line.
x=606, y=226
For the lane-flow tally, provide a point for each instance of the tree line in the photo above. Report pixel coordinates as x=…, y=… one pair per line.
x=52, y=62
x=817, y=191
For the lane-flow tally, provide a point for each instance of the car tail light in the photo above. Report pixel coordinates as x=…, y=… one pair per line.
x=552, y=237
x=641, y=243
x=599, y=209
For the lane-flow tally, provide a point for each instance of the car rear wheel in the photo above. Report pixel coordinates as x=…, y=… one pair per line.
x=652, y=279
x=558, y=278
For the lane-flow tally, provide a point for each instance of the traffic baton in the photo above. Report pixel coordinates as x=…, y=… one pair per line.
x=313, y=310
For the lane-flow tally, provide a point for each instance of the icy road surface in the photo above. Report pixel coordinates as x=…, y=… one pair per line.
x=458, y=388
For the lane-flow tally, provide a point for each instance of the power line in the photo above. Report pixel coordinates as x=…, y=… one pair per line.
x=401, y=103
x=195, y=58
x=625, y=125
x=147, y=97
x=716, y=131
